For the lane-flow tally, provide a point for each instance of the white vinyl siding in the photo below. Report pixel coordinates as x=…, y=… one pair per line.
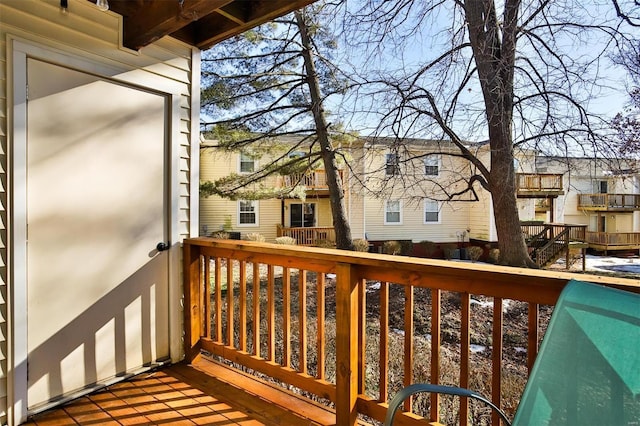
x=92, y=35
x=393, y=212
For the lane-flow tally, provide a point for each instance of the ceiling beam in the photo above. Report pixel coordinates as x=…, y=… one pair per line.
x=152, y=20
x=200, y=23
x=246, y=15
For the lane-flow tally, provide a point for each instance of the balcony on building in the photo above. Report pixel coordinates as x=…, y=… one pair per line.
x=609, y=202
x=539, y=185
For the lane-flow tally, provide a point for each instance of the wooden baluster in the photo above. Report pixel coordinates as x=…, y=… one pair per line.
x=230, y=303
x=286, y=317
x=346, y=345
x=302, y=320
x=362, y=334
x=217, y=267
x=384, y=342
x=206, y=296
x=256, y=309
x=271, y=314
x=242, y=302
x=496, y=359
x=408, y=341
x=465, y=321
x=435, y=352
x=321, y=336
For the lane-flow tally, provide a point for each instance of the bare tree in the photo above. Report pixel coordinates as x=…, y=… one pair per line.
x=518, y=74
x=271, y=88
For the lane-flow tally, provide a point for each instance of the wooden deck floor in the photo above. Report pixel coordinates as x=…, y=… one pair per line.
x=204, y=393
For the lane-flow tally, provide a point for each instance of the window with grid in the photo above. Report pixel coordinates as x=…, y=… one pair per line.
x=431, y=211
x=393, y=165
x=247, y=163
x=247, y=212
x=432, y=166
x=392, y=212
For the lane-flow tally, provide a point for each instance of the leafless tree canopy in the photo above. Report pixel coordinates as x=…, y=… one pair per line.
x=518, y=74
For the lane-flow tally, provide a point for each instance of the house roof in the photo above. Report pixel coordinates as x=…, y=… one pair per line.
x=200, y=23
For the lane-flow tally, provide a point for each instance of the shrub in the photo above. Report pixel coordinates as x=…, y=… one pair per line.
x=475, y=252
x=429, y=247
x=391, y=247
x=494, y=255
x=325, y=244
x=448, y=250
x=287, y=241
x=254, y=236
x=221, y=235
x=360, y=244
x=406, y=247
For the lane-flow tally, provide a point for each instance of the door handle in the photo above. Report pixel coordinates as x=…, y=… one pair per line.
x=162, y=246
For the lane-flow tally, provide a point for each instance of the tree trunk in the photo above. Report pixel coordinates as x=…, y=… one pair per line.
x=494, y=46
x=513, y=249
x=334, y=181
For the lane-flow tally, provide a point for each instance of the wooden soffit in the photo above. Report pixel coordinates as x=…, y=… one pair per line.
x=200, y=23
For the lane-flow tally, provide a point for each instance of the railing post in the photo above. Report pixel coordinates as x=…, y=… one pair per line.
x=346, y=345
x=192, y=310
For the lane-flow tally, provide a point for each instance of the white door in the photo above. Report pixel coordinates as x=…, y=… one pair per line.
x=97, y=287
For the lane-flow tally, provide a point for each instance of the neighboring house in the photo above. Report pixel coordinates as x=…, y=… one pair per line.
x=408, y=191
x=603, y=196
x=307, y=219
x=99, y=125
x=385, y=210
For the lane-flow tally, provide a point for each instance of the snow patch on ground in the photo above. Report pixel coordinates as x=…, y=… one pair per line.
x=607, y=264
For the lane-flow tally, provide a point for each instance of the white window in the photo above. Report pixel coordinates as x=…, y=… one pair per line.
x=247, y=163
x=432, y=165
x=431, y=211
x=392, y=165
x=247, y=213
x=393, y=212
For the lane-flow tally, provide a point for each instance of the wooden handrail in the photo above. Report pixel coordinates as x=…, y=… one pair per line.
x=312, y=180
x=308, y=236
x=613, y=238
x=538, y=182
x=271, y=347
x=609, y=201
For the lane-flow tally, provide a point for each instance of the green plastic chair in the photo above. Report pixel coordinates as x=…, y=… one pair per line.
x=587, y=371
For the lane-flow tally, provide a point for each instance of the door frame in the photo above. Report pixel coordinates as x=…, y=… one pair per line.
x=19, y=50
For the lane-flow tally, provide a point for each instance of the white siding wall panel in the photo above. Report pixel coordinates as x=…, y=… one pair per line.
x=93, y=35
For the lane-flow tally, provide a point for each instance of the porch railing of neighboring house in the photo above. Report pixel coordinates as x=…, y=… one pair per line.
x=309, y=236
x=538, y=182
x=549, y=241
x=312, y=180
x=609, y=202
x=221, y=277
x=613, y=240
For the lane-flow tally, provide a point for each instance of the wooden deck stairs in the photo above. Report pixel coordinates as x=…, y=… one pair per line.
x=551, y=243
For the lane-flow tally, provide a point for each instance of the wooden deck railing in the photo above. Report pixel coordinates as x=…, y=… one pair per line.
x=312, y=180
x=538, y=182
x=614, y=240
x=286, y=332
x=308, y=236
x=609, y=202
x=548, y=231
